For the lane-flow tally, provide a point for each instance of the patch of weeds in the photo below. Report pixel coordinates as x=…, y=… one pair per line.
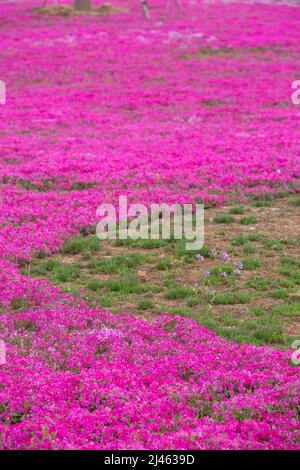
x=71, y=290
x=207, y=51
x=81, y=245
x=127, y=285
x=105, y=301
x=164, y=264
x=194, y=301
x=28, y=325
x=268, y=331
x=248, y=220
x=178, y=311
x=228, y=320
x=278, y=294
x=223, y=219
x=288, y=309
x=231, y=298
x=145, y=304
x=288, y=283
x=291, y=241
x=259, y=283
x=220, y=275
x=260, y=331
x=257, y=311
x=251, y=263
x=65, y=273
x=273, y=244
x=243, y=239
x=296, y=202
x=58, y=272
x=180, y=292
x=80, y=186
x=45, y=184
x=248, y=249
x=87, y=255
x=44, y=267
x=147, y=244
x=256, y=237
x=237, y=210
x=18, y=304
x=262, y=203
x=290, y=262
x=17, y=418
x=239, y=240
x=169, y=282
x=118, y=264
x=180, y=251
x=213, y=102
x=291, y=273
x=94, y=285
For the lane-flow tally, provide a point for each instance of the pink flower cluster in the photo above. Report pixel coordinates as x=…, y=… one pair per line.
x=79, y=378
x=185, y=108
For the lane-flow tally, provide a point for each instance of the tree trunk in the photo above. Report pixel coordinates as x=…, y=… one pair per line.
x=82, y=5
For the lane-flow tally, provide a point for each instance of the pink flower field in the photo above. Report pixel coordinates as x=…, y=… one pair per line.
x=191, y=106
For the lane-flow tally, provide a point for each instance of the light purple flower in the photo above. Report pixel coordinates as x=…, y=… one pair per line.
x=199, y=257
x=224, y=256
x=238, y=265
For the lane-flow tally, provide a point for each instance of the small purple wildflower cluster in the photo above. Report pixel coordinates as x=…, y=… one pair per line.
x=224, y=256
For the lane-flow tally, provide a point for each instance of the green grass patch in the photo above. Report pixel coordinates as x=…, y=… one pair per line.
x=119, y=263
x=237, y=210
x=58, y=272
x=180, y=292
x=194, y=301
x=290, y=262
x=128, y=284
x=147, y=244
x=178, y=311
x=223, y=219
x=288, y=309
x=273, y=244
x=296, y=202
x=145, y=304
x=248, y=220
x=257, y=311
x=259, y=283
x=81, y=245
x=279, y=294
x=260, y=331
x=291, y=273
x=164, y=264
x=262, y=203
x=94, y=285
x=228, y=320
x=251, y=263
x=248, y=249
x=180, y=251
